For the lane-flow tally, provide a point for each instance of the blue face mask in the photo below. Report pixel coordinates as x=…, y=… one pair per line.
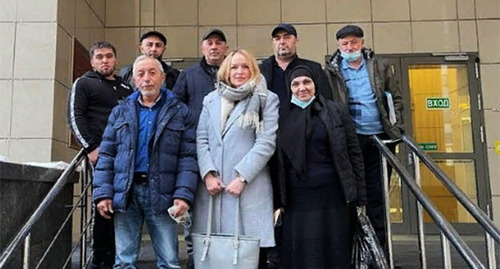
x=350, y=56
x=301, y=104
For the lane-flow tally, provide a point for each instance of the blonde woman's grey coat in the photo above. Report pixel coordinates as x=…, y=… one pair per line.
x=233, y=151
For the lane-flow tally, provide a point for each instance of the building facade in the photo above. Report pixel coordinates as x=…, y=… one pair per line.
x=446, y=52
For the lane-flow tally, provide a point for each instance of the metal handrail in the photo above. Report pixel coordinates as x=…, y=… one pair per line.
x=472, y=208
x=42, y=208
x=463, y=249
x=81, y=198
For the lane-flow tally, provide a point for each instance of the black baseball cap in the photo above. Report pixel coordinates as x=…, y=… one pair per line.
x=154, y=33
x=214, y=32
x=349, y=30
x=284, y=27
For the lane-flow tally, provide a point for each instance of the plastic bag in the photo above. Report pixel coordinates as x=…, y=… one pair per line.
x=366, y=250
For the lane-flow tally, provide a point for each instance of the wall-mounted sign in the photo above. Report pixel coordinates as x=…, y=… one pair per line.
x=437, y=102
x=428, y=146
x=497, y=147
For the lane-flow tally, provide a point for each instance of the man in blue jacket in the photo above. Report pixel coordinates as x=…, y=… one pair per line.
x=195, y=83
x=147, y=164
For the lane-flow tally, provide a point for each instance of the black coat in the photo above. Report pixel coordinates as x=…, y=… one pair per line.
x=345, y=150
x=266, y=68
x=192, y=86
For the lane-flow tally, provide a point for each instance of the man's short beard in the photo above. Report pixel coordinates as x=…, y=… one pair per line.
x=111, y=72
x=285, y=56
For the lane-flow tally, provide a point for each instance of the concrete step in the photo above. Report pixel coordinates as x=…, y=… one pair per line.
x=405, y=247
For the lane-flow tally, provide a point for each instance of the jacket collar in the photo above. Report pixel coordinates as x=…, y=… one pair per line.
x=334, y=64
x=163, y=92
x=291, y=64
x=93, y=74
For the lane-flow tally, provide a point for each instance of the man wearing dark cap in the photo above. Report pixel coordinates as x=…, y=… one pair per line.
x=198, y=80
x=153, y=44
x=194, y=84
x=276, y=69
x=368, y=87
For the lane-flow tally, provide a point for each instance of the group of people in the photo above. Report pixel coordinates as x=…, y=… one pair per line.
x=281, y=138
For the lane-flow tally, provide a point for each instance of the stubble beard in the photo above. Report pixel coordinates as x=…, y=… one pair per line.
x=106, y=74
x=285, y=56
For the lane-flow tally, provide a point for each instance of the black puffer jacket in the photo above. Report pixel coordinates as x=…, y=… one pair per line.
x=91, y=100
x=382, y=80
x=171, y=75
x=193, y=85
x=345, y=150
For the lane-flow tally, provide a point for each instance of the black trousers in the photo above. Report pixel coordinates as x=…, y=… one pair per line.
x=375, y=208
x=103, y=241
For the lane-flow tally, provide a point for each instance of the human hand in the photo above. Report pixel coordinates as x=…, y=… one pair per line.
x=105, y=208
x=213, y=184
x=93, y=156
x=181, y=207
x=361, y=209
x=235, y=187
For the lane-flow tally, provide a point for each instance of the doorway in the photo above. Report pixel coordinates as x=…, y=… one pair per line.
x=443, y=114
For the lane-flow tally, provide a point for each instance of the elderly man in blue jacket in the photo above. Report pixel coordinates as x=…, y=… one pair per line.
x=147, y=164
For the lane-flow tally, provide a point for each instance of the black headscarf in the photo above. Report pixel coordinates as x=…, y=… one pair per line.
x=296, y=127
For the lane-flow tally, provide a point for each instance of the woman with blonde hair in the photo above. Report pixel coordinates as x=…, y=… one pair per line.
x=236, y=137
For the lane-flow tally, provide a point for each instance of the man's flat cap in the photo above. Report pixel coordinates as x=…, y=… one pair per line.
x=349, y=30
x=214, y=32
x=284, y=27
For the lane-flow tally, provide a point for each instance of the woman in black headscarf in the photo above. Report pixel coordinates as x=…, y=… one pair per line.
x=320, y=177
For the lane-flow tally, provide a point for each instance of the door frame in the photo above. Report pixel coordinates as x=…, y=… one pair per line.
x=400, y=64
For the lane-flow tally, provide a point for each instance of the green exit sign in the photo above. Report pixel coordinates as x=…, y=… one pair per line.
x=428, y=146
x=437, y=102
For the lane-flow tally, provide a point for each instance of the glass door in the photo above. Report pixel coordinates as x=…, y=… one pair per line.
x=443, y=115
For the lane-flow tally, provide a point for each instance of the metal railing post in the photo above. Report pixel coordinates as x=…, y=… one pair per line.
x=420, y=216
x=41, y=209
x=83, y=214
x=490, y=245
x=444, y=226
x=26, y=257
x=445, y=245
x=385, y=176
x=470, y=206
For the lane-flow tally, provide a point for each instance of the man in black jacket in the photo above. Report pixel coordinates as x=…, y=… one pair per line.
x=91, y=100
x=197, y=81
x=153, y=44
x=194, y=84
x=276, y=69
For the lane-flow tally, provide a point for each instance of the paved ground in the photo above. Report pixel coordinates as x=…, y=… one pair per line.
x=405, y=251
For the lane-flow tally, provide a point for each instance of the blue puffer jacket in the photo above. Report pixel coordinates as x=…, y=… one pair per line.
x=173, y=169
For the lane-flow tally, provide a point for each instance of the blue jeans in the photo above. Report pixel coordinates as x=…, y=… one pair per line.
x=128, y=228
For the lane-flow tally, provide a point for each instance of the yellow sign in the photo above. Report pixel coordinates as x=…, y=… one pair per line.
x=497, y=147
